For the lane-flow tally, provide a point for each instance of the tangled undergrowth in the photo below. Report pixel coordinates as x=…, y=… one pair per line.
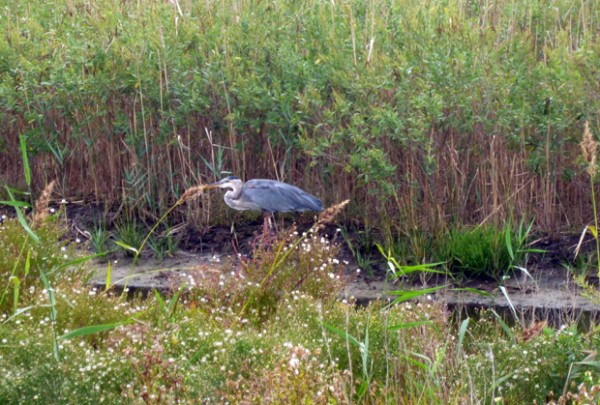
x=255, y=335
x=273, y=329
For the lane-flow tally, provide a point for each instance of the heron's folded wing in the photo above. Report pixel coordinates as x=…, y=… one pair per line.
x=275, y=196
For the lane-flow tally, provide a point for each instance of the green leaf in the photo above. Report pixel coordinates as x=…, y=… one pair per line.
x=20, y=311
x=362, y=389
x=21, y=218
x=473, y=290
x=211, y=168
x=26, y=168
x=505, y=327
x=108, y=275
x=126, y=246
x=508, y=241
x=161, y=301
x=76, y=261
x=28, y=262
x=343, y=334
x=91, y=330
x=409, y=295
x=512, y=307
x=17, y=284
x=590, y=363
x=19, y=204
x=407, y=325
x=416, y=363
x=461, y=333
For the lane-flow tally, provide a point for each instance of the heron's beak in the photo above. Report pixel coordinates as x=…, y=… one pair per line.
x=213, y=185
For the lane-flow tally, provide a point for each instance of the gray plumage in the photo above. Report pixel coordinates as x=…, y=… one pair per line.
x=267, y=196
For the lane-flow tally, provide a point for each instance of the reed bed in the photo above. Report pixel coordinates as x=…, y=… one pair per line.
x=424, y=115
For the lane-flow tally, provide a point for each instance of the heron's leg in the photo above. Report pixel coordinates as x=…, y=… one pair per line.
x=267, y=223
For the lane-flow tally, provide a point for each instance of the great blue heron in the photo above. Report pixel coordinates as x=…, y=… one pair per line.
x=266, y=195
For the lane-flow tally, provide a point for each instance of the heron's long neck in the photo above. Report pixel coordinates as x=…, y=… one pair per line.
x=234, y=193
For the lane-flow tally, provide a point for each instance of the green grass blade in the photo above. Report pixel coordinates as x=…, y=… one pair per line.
x=499, y=381
x=461, y=333
x=589, y=363
x=19, y=312
x=28, y=262
x=77, y=261
x=504, y=326
x=108, y=275
x=21, y=218
x=343, y=335
x=53, y=313
x=173, y=302
x=91, y=330
x=508, y=242
x=26, y=168
x=16, y=285
x=16, y=204
x=161, y=302
x=409, y=295
x=416, y=363
x=473, y=290
x=407, y=325
x=211, y=168
x=512, y=307
x=127, y=247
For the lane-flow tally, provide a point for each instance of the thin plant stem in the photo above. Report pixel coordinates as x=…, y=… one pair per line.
x=595, y=222
x=139, y=249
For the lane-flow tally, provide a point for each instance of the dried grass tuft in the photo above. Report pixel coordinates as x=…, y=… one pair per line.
x=191, y=193
x=40, y=213
x=533, y=331
x=589, y=149
x=331, y=213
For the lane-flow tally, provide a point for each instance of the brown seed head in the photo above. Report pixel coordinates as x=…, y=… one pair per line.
x=191, y=193
x=330, y=213
x=589, y=149
x=40, y=212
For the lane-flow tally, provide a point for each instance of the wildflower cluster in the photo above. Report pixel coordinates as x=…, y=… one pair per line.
x=288, y=262
x=525, y=370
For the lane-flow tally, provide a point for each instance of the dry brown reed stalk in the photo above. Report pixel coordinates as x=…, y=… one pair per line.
x=40, y=212
x=589, y=149
x=330, y=213
x=191, y=193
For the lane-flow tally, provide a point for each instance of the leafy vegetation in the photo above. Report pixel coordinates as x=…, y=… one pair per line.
x=421, y=115
x=100, y=239
x=270, y=330
x=486, y=251
x=430, y=118
x=189, y=347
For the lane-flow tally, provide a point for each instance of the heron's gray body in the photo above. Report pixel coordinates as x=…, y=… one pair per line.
x=267, y=195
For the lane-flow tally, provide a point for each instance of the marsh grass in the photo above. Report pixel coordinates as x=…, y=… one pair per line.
x=420, y=115
x=486, y=250
x=22, y=259
x=479, y=251
x=100, y=240
x=129, y=236
x=198, y=345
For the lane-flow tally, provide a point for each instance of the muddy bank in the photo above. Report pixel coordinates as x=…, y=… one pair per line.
x=550, y=294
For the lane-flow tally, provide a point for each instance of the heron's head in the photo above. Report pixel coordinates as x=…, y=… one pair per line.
x=231, y=182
